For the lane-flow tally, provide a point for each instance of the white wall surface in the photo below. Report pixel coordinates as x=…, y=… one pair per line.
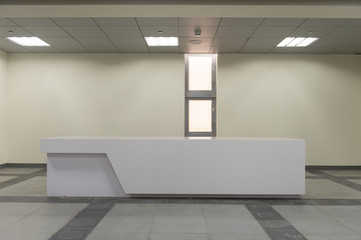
x=91, y=95
x=3, y=70
x=313, y=97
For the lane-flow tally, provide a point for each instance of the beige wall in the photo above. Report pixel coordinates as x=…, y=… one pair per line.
x=3, y=70
x=91, y=95
x=313, y=97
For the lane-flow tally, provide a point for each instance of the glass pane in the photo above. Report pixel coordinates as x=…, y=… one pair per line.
x=200, y=73
x=200, y=115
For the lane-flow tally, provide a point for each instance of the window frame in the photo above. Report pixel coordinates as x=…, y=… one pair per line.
x=201, y=95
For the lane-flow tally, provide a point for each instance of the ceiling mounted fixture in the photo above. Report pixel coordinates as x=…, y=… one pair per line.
x=297, y=41
x=161, y=41
x=28, y=41
x=195, y=42
x=197, y=32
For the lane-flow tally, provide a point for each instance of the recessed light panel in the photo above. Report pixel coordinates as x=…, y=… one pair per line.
x=297, y=41
x=28, y=41
x=161, y=41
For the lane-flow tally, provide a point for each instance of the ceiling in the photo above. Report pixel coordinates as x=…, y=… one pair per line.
x=218, y=35
x=188, y=2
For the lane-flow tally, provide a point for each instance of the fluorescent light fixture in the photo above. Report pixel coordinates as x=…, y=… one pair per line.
x=297, y=41
x=28, y=41
x=161, y=41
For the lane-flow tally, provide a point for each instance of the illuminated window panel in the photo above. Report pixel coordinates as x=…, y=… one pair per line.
x=200, y=115
x=200, y=74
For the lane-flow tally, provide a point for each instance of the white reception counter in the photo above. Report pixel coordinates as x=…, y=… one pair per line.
x=169, y=166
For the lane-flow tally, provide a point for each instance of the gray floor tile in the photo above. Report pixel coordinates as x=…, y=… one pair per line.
x=24, y=236
x=9, y=208
x=71, y=234
x=243, y=236
x=179, y=224
x=358, y=181
x=177, y=236
x=323, y=188
x=111, y=235
x=5, y=178
x=179, y=210
x=19, y=170
x=300, y=211
x=233, y=225
x=133, y=209
x=326, y=236
x=33, y=224
x=60, y=209
x=125, y=224
x=340, y=173
x=32, y=187
x=227, y=210
x=7, y=220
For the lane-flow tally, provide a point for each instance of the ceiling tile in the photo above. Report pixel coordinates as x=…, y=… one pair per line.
x=104, y=49
x=345, y=32
x=330, y=42
x=16, y=32
x=8, y=46
x=345, y=50
x=48, y=49
x=6, y=22
x=54, y=31
x=324, y=22
x=164, y=49
x=286, y=50
x=192, y=49
x=282, y=22
x=157, y=21
x=313, y=50
x=238, y=42
x=256, y=49
x=33, y=21
x=61, y=41
x=131, y=49
x=353, y=23
x=152, y=31
x=234, y=32
x=226, y=49
x=95, y=42
x=311, y=31
x=354, y=43
x=122, y=31
x=264, y=32
x=72, y=49
x=199, y=21
x=129, y=42
x=241, y=21
x=77, y=31
x=205, y=42
x=263, y=42
x=75, y=21
x=206, y=31
x=116, y=21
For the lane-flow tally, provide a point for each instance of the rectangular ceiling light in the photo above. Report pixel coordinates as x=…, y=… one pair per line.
x=28, y=41
x=297, y=41
x=161, y=41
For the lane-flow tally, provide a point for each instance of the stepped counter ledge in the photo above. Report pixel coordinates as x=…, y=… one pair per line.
x=126, y=167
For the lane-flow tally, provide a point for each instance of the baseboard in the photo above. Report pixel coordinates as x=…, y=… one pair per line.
x=23, y=165
x=315, y=167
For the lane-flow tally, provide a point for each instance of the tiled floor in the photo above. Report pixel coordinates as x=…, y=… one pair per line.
x=330, y=209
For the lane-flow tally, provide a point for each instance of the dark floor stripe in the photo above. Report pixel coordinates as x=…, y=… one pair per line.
x=21, y=178
x=273, y=223
x=336, y=179
x=85, y=221
x=314, y=177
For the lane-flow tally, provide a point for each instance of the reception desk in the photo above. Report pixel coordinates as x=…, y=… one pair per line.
x=113, y=167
